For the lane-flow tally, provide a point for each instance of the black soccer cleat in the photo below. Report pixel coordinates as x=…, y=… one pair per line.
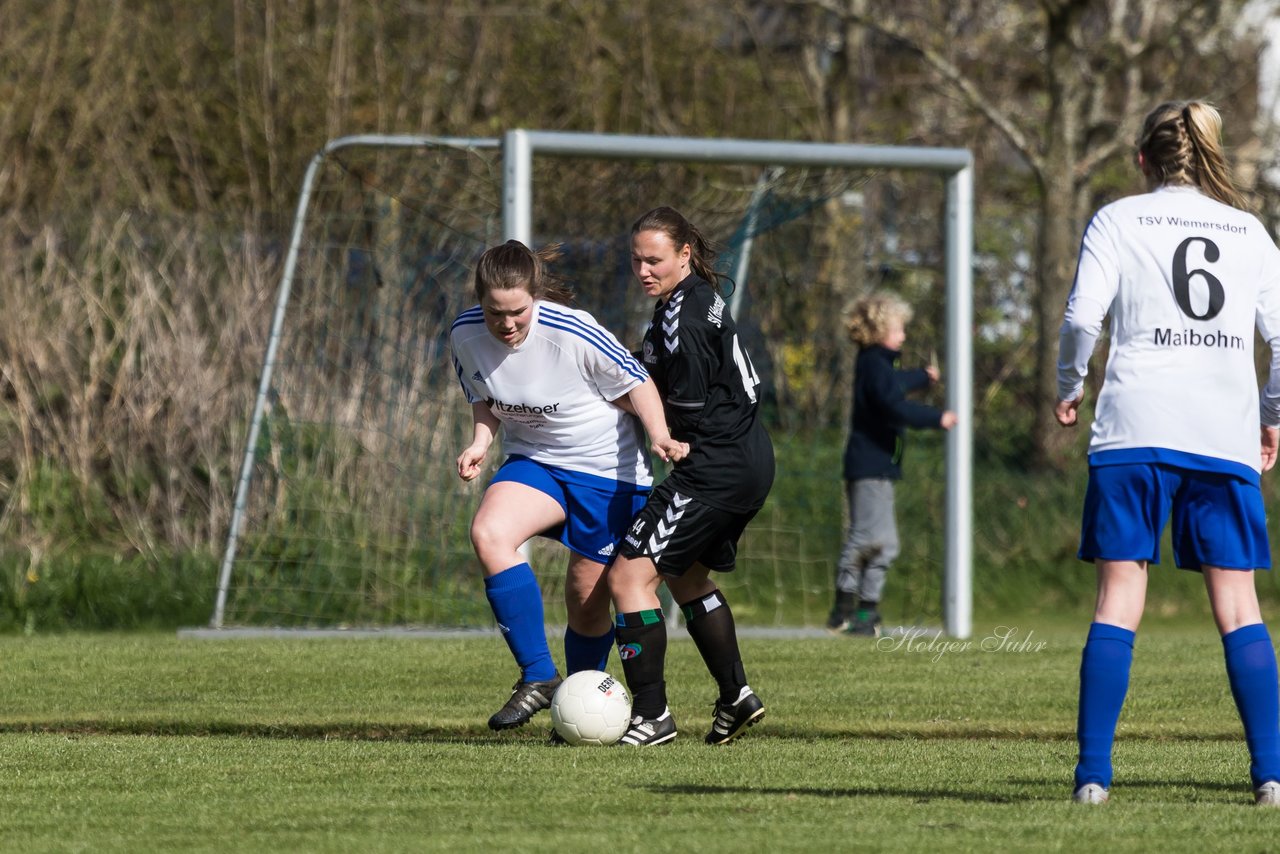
x=841, y=612
x=865, y=624
x=731, y=719
x=527, y=699
x=645, y=732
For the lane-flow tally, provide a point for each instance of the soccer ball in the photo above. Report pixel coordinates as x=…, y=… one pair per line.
x=591, y=707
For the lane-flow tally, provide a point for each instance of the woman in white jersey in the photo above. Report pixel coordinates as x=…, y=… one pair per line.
x=566, y=395
x=1186, y=275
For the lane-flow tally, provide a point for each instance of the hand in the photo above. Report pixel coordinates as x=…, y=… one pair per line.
x=470, y=461
x=1270, y=444
x=670, y=450
x=934, y=373
x=948, y=420
x=1066, y=412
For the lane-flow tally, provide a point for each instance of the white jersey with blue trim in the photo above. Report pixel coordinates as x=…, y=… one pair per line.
x=1185, y=280
x=552, y=391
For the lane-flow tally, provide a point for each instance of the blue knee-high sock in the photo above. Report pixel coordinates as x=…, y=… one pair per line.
x=1104, y=681
x=516, y=601
x=1251, y=669
x=582, y=652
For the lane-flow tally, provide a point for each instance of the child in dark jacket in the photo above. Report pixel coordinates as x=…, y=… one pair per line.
x=873, y=457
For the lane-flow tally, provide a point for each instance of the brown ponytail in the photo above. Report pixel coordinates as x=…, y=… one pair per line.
x=672, y=223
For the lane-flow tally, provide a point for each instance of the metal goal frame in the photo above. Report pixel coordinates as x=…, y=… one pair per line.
x=520, y=147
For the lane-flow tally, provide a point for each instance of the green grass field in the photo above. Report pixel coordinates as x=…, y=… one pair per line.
x=153, y=742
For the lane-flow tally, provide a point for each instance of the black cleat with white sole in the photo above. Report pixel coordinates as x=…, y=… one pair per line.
x=527, y=699
x=644, y=732
x=731, y=719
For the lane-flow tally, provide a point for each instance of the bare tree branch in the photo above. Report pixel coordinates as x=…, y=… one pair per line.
x=958, y=81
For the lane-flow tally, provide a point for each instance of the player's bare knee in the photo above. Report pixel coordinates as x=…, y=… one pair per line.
x=691, y=585
x=618, y=582
x=631, y=577
x=590, y=617
x=489, y=538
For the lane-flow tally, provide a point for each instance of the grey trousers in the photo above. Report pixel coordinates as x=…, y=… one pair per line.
x=872, y=540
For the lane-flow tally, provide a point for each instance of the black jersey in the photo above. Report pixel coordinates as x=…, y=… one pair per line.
x=710, y=392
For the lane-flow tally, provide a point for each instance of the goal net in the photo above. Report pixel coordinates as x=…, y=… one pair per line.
x=349, y=511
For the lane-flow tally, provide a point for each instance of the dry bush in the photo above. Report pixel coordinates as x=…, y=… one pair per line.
x=127, y=360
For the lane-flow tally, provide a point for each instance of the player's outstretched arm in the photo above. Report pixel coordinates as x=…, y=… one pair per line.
x=644, y=402
x=484, y=426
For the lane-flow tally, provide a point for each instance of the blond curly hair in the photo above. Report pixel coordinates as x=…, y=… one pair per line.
x=869, y=317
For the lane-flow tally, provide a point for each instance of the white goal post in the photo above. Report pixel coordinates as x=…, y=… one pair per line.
x=520, y=147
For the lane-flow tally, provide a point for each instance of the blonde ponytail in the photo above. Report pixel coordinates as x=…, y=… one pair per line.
x=1181, y=145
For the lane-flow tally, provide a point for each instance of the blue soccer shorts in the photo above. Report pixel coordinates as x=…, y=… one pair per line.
x=597, y=510
x=1218, y=519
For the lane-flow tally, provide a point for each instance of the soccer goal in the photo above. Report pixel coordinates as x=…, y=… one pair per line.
x=347, y=511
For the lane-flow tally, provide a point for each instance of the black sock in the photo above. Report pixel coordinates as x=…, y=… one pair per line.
x=710, y=624
x=642, y=645
x=866, y=608
x=844, y=604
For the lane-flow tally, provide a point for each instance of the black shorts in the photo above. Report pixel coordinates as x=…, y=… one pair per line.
x=676, y=531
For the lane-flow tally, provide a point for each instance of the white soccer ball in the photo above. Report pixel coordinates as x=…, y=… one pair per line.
x=591, y=707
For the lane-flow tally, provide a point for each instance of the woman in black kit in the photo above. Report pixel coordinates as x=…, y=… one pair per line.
x=692, y=521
